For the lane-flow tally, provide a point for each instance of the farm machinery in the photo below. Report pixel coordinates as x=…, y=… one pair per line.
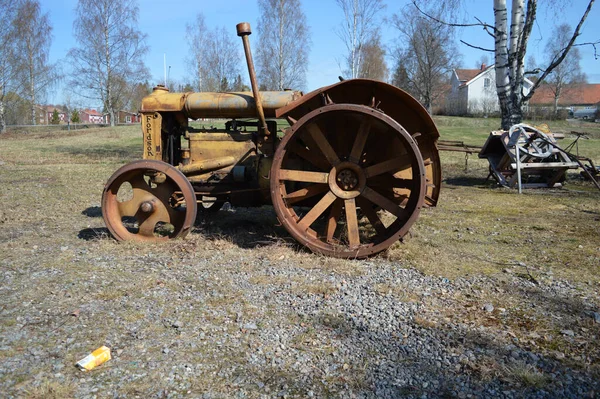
x=347, y=175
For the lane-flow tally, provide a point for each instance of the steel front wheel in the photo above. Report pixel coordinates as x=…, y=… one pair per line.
x=148, y=201
x=347, y=181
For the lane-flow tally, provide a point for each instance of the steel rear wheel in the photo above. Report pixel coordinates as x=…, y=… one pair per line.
x=347, y=181
x=148, y=200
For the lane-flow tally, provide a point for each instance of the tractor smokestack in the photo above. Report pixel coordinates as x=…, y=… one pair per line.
x=243, y=30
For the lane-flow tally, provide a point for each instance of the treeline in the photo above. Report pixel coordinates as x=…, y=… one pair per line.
x=106, y=66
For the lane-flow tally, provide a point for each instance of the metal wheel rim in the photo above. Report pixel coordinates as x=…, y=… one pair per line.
x=164, y=209
x=293, y=222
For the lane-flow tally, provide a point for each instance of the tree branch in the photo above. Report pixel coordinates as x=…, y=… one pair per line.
x=563, y=54
x=476, y=47
x=479, y=23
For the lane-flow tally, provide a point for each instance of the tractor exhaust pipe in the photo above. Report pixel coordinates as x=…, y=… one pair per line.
x=243, y=30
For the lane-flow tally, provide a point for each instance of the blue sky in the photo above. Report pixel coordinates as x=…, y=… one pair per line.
x=164, y=23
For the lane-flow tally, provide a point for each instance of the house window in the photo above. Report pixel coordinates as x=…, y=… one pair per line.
x=487, y=83
x=128, y=119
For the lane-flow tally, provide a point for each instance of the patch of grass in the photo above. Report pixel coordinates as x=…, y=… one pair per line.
x=52, y=390
x=526, y=375
x=335, y=321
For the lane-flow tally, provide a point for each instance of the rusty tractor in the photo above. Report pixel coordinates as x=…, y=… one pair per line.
x=347, y=178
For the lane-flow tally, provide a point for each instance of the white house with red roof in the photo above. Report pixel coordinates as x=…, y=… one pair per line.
x=473, y=91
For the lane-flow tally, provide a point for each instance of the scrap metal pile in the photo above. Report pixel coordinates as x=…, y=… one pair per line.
x=529, y=157
x=347, y=178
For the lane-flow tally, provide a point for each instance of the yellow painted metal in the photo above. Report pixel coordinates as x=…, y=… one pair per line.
x=217, y=105
x=208, y=147
x=207, y=165
x=151, y=125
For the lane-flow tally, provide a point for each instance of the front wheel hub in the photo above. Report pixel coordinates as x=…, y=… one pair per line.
x=347, y=180
x=147, y=207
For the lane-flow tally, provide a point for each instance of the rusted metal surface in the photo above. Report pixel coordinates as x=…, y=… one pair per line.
x=381, y=188
x=348, y=179
x=146, y=205
x=235, y=105
x=396, y=103
x=151, y=127
x=525, y=153
x=243, y=30
x=457, y=146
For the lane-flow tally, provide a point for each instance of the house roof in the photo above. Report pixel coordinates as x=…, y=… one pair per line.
x=464, y=75
x=51, y=108
x=579, y=94
x=91, y=112
x=467, y=75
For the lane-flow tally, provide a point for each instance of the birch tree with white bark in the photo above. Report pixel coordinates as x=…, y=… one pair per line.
x=511, y=39
x=108, y=59
x=33, y=38
x=360, y=24
x=7, y=49
x=283, y=45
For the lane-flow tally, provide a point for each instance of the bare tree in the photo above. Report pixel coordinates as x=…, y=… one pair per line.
x=7, y=50
x=510, y=48
x=373, y=64
x=568, y=73
x=33, y=35
x=109, y=56
x=427, y=52
x=360, y=24
x=197, y=35
x=283, y=44
x=215, y=56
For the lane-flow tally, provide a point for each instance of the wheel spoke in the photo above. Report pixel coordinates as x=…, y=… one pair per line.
x=130, y=208
x=305, y=193
x=310, y=156
x=323, y=144
x=391, y=165
x=370, y=213
x=138, y=182
x=389, y=181
x=332, y=220
x=360, y=140
x=352, y=223
x=317, y=211
x=303, y=176
x=146, y=227
x=384, y=202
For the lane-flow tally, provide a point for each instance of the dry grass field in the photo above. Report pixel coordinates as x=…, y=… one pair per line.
x=237, y=309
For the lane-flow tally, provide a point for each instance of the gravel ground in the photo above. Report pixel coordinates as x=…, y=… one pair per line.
x=211, y=317
x=237, y=310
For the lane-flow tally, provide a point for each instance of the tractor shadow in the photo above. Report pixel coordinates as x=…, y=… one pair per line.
x=91, y=234
x=470, y=181
x=92, y=212
x=245, y=227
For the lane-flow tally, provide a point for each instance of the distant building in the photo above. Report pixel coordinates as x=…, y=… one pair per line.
x=91, y=116
x=581, y=100
x=44, y=114
x=124, y=117
x=473, y=91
